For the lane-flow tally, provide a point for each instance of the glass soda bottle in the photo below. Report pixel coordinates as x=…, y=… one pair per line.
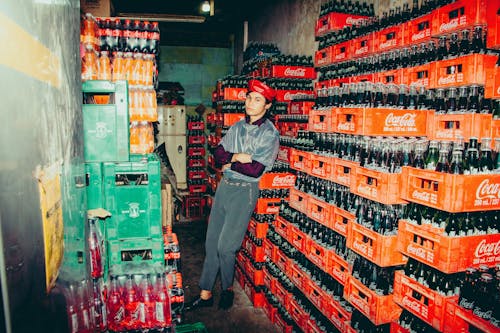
x=132, y=304
x=163, y=316
x=432, y=156
x=115, y=306
x=96, y=265
x=104, y=67
x=148, y=300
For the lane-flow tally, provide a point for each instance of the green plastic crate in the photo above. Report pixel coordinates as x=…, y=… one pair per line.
x=145, y=157
x=95, y=193
x=106, y=126
x=191, y=328
x=132, y=192
x=136, y=256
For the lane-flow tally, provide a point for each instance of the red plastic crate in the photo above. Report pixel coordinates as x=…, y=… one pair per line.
x=256, y=275
x=256, y=297
x=336, y=21
x=379, y=249
x=269, y=281
x=430, y=308
x=389, y=38
x=462, y=71
x=339, y=220
x=299, y=160
x=293, y=72
x=344, y=172
x=281, y=260
x=320, y=120
x=197, y=174
x=314, y=293
x=341, y=52
x=396, y=328
x=312, y=327
x=459, y=15
x=299, y=316
x=258, y=229
x=364, y=78
x=495, y=128
x=267, y=205
x=420, y=76
x=197, y=189
x=196, y=151
x=454, y=126
x=269, y=249
x=493, y=18
x=230, y=119
x=349, y=120
x=448, y=192
x=297, y=275
x=193, y=207
x=319, y=210
x=418, y=30
x=458, y=319
x=395, y=76
x=321, y=166
x=255, y=251
x=196, y=139
x=282, y=324
x=269, y=310
x=277, y=180
x=492, y=86
x=337, y=267
x=235, y=94
x=289, y=95
x=337, y=314
x=362, y=46
x=394, y=122
x=300, y=107
x=283, y=295
x=299, y=200
x=316, y=253
x=447, y=254
x=284, y=154
x=296, y=237
x=196, y=163
x=196, y=125
x=378, y=186
x=281, y=226
x=323, y=57
x=379, y=309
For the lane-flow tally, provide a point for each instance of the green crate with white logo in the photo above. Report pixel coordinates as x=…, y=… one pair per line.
x=136, y=256
x=132, y=194
x=95, y=194
x=106, y=126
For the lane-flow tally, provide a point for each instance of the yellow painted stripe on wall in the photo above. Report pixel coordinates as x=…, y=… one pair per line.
x=24, y=53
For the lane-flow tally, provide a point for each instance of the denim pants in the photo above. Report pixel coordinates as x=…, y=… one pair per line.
x=232, y=208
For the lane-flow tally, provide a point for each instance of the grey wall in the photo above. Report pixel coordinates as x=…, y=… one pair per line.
x=41, y=127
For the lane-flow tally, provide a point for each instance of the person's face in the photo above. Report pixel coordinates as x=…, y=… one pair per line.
x=255, y=105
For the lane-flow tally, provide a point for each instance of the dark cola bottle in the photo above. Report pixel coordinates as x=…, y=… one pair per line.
x=484, y=292
x=467, y=289
x=442, y=50
x=464, y=47
x=477, y=44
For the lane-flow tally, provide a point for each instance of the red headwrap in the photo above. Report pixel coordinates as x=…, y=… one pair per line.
x=266, y=91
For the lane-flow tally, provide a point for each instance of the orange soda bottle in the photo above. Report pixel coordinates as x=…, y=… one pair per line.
x=104, y=67
x=89, y=64
x=134, y=138
x=118, y=66
x=128, y=67
x=148, y=70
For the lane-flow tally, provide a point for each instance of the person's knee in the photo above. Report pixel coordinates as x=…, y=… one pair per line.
x=224, y=249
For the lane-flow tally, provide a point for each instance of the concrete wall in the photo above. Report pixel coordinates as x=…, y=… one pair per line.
x=196, y=69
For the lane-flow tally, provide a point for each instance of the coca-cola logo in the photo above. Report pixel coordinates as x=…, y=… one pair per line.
x=485, y=249
x=386, y=44
x=287, y=180
x=336, y=321
x=362, y=306
x=340, y=56
x=341, y=227
x=367, y=190
x=420, y=35
x=339, y=274
x=416, y=251
x=295, y=108
x=445, y=134
x=316, y=215
x=487, y=190
x=300, y=72
x=354, y=21
x=412, y=304
x=447, y=79
x=423, y=196
x=361, y=50
x=318, y=171
x=344, y=179
x=289, y=96
x=449, y=26
x=406, y=120
x=498, y=90
x=242, y=94
x=361, y=247
x=346, y=126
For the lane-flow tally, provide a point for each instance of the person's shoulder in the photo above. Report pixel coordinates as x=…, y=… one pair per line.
x=268, y=126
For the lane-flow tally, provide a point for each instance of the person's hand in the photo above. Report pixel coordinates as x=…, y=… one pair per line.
x=242, y=158
x=226, y=166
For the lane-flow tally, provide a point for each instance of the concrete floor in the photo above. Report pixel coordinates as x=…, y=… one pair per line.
x=242, y=317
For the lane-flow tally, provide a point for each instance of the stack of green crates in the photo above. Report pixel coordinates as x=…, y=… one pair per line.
x=128, y=186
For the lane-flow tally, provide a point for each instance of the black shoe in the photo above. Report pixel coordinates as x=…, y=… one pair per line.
x=226, y=299
x=199, y=303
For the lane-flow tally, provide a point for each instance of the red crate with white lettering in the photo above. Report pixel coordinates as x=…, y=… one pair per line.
x=235, y=94
x=196, y=163
x=277, y=180
x=455, y=126
x=256, y=251
x=419, y=76
x=290, y=95
x=396, y=328
x=314, y=293
x=495, y=128
x=299, y=316
x=462, y=71
x=341, y=52
x=336, y=21
x=312, y=326
x=349, y=120
x=492, y=86
x=393, y=122
x=269, y=309
x=379, y=249
x=493, y=18
x=379, y=309
x=229, y=119
x=316, y=253
x=196, y=125
x=458, y=319
x=258, y=229
x=320, y=120
x=378, y=186
x=445, y=253
x=196, y=151
x=281, y=226
x=283, y=295
x=196, y=139
x=299, y=160
x=337, y=267
x=362, y=46
x=299, y=200
x=269, y=281
x=283, y=326
x=293, y=72
x=459, y=15
x=197, y=174
x=323, y=57
x=300, y=107
x=321, y=166
x=344, y=172
x=418, y=30
x=297, y=275
x=339, y=220
x=267, y=205
x=255, y=295
x=197, y=189
x=395, y=76
x=296, y=237
x=284, y=154
x=430, y=307
x=337, y=314
x=319, y=210
x=193, y=207
x=364, y=78
x=389, y=38
x=256, y=275
x=281, y=260
x=452, y=193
